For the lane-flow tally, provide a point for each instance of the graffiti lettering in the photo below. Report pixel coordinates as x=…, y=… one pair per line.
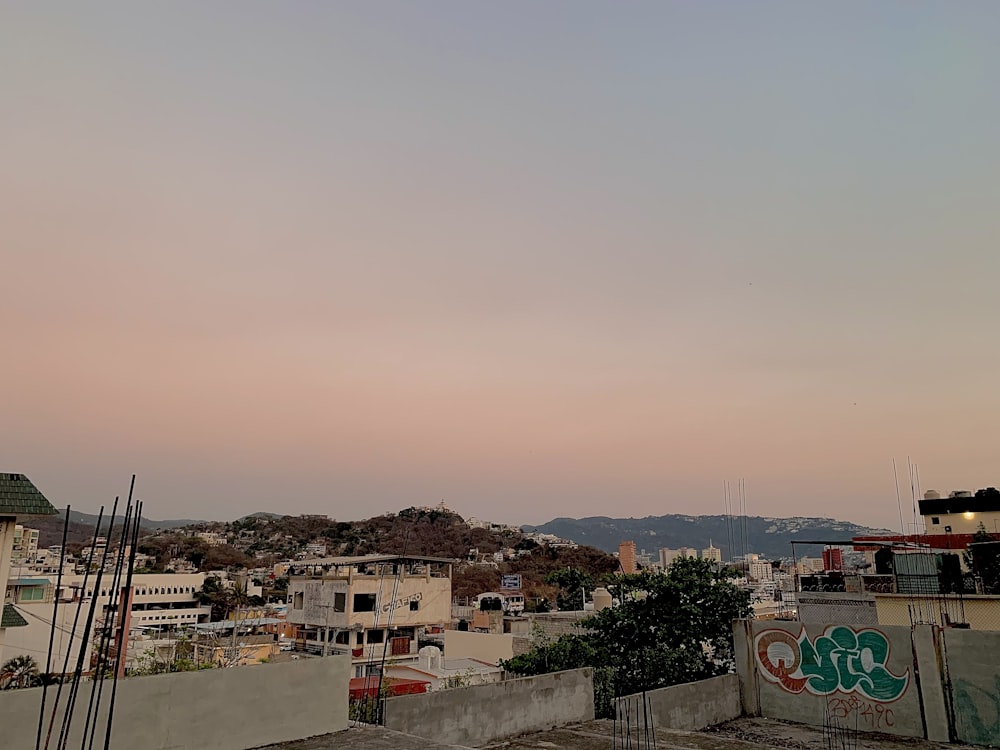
x=390, y=606
x=877, y=716
x=840, y=660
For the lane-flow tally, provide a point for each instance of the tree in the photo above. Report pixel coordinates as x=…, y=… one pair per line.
x=669, y=628
x=223, y=600
x=19, y=672
x=573, y=587
x=984, y=561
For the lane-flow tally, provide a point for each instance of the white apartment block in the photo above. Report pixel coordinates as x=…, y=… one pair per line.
x=761, y=570
x=25, y=547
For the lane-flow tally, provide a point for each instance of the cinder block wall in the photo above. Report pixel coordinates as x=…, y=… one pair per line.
x=483, y=713
x=221, y=709
x=689, y=707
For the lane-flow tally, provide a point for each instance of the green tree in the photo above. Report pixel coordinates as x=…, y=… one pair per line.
x=668, y=628
x=19, y=672
x=573, y=587
x=984, y=562
x=223, y=599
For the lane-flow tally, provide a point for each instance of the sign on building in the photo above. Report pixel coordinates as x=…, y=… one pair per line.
x=512, y=581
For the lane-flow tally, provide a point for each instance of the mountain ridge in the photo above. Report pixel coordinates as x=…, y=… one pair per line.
x=769, y=536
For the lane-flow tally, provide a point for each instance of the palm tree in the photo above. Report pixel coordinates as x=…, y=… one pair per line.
x=19, y=672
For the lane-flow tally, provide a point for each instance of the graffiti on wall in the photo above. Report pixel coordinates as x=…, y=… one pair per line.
x=841, y=659
x=874, y=716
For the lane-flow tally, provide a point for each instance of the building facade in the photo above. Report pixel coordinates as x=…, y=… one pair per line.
x=19, y=498
x=370, y=606
x=626, y=556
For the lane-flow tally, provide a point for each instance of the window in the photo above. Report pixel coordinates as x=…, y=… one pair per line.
x=343, y=638
x=935, y=520
x=364, y=602
x=414, y=605
x=360, y=640
x=376, y=636
x=32, y=593
x=297, y=601
x=340, y=602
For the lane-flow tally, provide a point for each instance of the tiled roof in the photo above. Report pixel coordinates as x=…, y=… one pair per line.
x=11, y=618
x=19, y=497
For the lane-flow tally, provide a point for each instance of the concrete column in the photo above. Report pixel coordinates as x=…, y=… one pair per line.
x=746, y=666
x=929, y=668
x=6, y=546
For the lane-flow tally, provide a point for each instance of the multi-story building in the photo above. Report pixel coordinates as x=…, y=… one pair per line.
x=626, y=556
x=162, y=601
x=25, y=545
x=370, y=606
x=711, y=552
x=761, y=570
x=962, y=512
x=667, y=555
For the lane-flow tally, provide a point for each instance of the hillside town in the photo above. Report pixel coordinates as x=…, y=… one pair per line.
x=272, y=590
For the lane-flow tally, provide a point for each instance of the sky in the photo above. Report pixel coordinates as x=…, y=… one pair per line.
x=533, y=259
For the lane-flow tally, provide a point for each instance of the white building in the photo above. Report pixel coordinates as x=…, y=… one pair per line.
x=761, y=570
x=25, y=544
x=711, y=552
x=442, y=673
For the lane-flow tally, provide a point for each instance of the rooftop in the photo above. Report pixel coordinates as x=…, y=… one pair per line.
x=19, y=497
x=741, y=734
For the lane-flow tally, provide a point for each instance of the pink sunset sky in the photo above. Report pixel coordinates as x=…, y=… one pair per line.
x=534, y=259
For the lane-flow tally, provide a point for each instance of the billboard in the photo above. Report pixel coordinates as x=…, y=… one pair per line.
x=512, y=581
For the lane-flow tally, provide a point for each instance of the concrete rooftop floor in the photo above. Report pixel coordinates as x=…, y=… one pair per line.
x=741, y=734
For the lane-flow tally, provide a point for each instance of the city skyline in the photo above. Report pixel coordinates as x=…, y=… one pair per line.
x=537, y=260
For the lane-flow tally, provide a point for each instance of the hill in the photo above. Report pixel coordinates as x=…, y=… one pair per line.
x=770, y=537
x=81, y=526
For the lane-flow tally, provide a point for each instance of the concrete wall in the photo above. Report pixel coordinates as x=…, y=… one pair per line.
x=33, y=639
x=689, y=707
x=980, y=612
x=846, y=609
x=858, y=676
x=488, y=647
x=222, y=709
x=973, y=664
x=484, y=713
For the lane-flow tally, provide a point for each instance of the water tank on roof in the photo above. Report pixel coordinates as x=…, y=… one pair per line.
x=932, y=495
x=960, y=493
x=430, y=657
x=602, y=599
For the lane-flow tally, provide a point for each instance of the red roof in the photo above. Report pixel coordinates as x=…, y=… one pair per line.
x=368, y=686
x=932, y=541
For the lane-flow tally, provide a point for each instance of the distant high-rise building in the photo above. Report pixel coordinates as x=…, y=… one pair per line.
x=711, y=552
x=626, y=556
x=761, y=570
x=833, y=558
x=667, y=555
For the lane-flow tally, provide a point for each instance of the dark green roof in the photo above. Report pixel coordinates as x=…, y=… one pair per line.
x=19, y=497
x=11, y=618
